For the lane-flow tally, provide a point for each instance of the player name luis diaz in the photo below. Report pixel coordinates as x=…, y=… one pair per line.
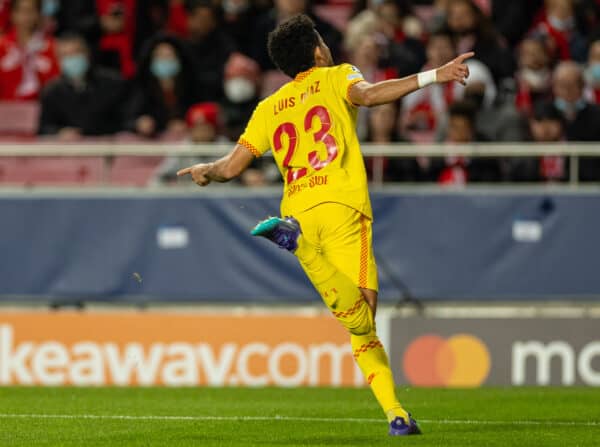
x=287, y=103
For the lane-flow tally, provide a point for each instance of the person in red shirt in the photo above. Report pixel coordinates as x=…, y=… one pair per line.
x=117, y=22
x=534, y=76
x=557, y=25
x=27, y=57
x=458, y=170
x=422, y=110
x=177, y=22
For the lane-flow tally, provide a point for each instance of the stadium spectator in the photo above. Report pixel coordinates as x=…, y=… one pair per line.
x=203, y=123
x=75, y=16
x=177, y=17
x=592, y=73
x=27, y=57
x=382, y=130
x=399, y=34
x=512, y=18
x=151, y=18
x=382, y=124
x=557, y=25
x=580, y=116
x=210, y=48
x=283, y=10
x=459, y=170
x=438, y=15
x=239, y=17
x=545, y=126
x=241, y=85
x=473, y=31
x=495, y=120
x=365, y=53
x=377, y=56
x=361, y=42
x=117, y=24
x=403, y=48
x=85, y=100
x=397, y=22
x=534, y=77
x=383, y=38
x=422, y=109
x=164, y=89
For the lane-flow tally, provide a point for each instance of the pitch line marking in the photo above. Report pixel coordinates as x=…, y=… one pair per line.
x=290, y=418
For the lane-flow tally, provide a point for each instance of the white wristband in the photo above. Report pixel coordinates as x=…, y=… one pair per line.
x=427, y=77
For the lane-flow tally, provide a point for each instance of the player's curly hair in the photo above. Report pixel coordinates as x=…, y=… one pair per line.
x=292, y=45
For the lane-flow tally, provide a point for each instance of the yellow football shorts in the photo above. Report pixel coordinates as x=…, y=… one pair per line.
x=343, y=236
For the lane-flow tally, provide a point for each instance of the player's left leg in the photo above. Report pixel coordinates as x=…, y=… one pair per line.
x=346, y=244
x=373, y=361
x=353, y=308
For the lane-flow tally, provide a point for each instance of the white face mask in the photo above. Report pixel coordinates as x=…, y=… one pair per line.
x=239, y=90
x=536, y=79
x=592, y=74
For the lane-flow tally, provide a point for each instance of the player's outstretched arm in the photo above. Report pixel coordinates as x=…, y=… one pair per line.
x=367, y=94
x=222, y=170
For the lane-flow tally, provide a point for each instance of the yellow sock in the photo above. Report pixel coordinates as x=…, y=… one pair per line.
x=335, y=287
x=373, y=362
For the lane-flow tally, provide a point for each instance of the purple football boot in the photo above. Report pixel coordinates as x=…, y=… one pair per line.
x=284, y=232
x=400, y=428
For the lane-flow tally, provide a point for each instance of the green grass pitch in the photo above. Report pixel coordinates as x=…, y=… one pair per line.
x=89, y=417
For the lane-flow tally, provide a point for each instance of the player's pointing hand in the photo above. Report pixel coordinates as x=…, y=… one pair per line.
x=455, y=70
x=198, y=172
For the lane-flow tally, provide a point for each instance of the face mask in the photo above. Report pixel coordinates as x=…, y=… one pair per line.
x=239, y=90
x=536, y=79
x=74, y=67
x=165, y=68
x=50, y=7
x=568, y=107
x=593, y=74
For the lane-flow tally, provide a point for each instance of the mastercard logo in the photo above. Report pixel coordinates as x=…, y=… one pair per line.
x=459, y=361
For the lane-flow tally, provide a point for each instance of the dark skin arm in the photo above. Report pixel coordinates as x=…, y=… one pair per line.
x=223, y=170
x=369, y=95
x=362, y=94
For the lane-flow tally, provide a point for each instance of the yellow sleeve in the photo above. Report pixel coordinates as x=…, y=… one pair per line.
x=346, y=76
x=256, y=138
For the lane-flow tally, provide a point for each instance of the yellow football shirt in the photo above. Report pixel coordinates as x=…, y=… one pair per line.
x=310, y=124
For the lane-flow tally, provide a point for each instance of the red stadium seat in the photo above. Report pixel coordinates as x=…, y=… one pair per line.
x=61, y=170
x=11, y=171
x=134, y=171
x=19, y=117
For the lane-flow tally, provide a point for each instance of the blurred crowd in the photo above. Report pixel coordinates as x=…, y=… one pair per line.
x=193, y=70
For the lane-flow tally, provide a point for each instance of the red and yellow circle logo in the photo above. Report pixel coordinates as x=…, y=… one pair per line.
x=459, y=361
